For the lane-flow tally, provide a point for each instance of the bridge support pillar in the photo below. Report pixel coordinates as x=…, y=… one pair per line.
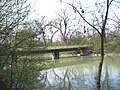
x=56, y=54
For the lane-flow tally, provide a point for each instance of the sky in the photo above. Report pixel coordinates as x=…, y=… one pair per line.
x=46, y=8
x=49, y=8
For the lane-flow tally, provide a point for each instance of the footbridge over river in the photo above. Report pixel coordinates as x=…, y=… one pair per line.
x=82, y=50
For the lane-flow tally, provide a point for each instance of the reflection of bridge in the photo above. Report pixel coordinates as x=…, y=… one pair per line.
x=83, y=50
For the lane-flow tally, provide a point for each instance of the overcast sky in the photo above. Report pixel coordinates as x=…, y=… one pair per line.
x=49, y=8
x=44, y=8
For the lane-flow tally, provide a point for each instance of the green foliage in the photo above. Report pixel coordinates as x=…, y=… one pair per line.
x=113, y=43
x=25, y=72
x=16, y=71
x=24, y=38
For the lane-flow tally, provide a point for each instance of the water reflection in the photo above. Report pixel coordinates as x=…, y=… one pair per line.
x=82, y=76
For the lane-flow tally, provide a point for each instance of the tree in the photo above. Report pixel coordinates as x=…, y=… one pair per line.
x=25, y=38
x=102, y=11
x=42, y=28
x=18, y=71
x=65, y=25
x=12, y=15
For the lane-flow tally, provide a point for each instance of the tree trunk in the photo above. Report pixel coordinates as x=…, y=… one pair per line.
x=100, y=64
x=98, y=85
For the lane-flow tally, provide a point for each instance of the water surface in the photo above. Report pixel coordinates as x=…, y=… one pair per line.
x=79, y=73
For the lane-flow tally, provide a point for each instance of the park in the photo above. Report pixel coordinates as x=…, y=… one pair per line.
x=59, y=45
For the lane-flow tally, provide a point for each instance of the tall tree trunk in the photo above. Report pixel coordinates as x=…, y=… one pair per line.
x=100, y=64
x=102, y=45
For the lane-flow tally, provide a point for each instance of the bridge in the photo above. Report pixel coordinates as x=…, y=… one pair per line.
x=82, y=50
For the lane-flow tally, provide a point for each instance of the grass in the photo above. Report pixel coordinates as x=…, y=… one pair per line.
x=50, y=48
x=60, y=47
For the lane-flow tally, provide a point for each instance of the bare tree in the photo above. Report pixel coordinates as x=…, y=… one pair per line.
x=102, y=10
x=66, y=25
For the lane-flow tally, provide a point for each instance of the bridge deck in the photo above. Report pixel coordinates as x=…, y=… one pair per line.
x=85, y=51
x=57, y=50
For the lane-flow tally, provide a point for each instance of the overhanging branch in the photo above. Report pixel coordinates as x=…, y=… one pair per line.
x=76, y=10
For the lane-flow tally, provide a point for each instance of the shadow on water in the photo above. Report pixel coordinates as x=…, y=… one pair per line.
x=80, y=74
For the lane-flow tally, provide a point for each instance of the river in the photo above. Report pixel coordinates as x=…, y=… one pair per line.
x=79, y=73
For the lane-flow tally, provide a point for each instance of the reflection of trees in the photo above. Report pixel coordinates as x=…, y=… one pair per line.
x=111, y=74
x=59, y=81
x=71, y=79
x=106, y=82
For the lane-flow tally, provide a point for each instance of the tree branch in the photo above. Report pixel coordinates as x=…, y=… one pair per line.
x=83, y=17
